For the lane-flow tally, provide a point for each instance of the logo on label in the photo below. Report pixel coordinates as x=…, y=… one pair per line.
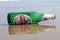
x=22, y=19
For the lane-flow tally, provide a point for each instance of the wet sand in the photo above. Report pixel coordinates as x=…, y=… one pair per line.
x=29, y=29
x=27, y=32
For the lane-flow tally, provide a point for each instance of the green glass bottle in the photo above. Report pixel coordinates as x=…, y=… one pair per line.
x=27, y=17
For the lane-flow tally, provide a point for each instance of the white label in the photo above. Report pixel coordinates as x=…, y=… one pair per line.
x=22, y=19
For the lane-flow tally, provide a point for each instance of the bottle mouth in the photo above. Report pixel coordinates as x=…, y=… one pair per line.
x=54, y=17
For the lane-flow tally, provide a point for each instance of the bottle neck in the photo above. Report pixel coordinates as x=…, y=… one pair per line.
x=48, y=17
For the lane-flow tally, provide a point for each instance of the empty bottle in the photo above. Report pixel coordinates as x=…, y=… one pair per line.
x=20, y=18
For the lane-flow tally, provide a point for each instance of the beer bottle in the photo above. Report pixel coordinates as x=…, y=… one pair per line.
x=28, y=17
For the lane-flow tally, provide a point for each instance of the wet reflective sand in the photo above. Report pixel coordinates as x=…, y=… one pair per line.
x=29, y=29
x=27, y=32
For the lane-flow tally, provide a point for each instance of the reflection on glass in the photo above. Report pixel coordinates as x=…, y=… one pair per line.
x=29, y=29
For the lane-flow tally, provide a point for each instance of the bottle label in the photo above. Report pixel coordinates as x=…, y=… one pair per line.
x=22, y=19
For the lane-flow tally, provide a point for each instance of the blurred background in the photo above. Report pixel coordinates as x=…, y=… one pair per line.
x=43, y=6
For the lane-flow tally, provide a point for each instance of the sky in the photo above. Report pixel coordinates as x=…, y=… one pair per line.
x=29, y=2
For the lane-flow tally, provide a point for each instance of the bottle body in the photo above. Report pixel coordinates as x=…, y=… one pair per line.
x=25, y=17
